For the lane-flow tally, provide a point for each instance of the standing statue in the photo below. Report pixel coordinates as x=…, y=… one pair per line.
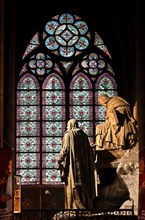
x=119, y=129
x=76, y=163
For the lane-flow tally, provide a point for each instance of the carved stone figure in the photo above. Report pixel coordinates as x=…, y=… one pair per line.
x=119, y=130
x=76, y=162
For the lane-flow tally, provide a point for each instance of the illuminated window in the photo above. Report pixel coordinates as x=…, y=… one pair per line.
x=65, y=69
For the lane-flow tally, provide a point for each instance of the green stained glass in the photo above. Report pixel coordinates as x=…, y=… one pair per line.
x=51, y=144
x=28, y=129
x=29, y=144
x=29, y=176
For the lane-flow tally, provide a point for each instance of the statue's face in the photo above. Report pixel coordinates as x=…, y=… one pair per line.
x=71, y=124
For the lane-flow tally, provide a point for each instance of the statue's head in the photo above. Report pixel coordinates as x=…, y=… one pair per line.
x=72, y=123
x=103, y=99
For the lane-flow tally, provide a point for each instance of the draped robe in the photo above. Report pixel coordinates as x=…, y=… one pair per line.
x=77, y=158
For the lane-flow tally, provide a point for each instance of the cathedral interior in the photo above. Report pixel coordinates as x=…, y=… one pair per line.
x=121, y=26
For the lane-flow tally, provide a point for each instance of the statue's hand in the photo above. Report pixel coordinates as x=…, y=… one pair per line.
x=93, y=145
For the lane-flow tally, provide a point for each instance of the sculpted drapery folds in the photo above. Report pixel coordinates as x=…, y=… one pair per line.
x=76, y=162
x=119, y=130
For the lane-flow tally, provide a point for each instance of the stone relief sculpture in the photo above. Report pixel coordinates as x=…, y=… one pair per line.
x=119, y=129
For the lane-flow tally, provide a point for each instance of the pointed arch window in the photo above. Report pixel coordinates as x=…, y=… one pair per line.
x=65, y=69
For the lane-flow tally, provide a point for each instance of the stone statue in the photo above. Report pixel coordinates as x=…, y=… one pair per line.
x=76, y=163
x=119, y=130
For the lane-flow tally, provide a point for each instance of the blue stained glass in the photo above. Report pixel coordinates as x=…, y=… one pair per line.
x=82, y=26
x=49, y=160
x=66, y=51
x=53, y=98
x=51, y=176
x=60, y=29
x=29, y=176
x=53, y=82
x=80, y=81
x=87, y=127
x=28, y=97
x=28, y=113
x=72, y=41
x=81, y=112
x=53, y=112
x=100, y=113
x=53, y=128
x=29, y=144
x=28, y=81
x=61, y=41
x=81, y=97
x=51, y=27
x=73, y=29
x=28, y=129
x=51, y=43
x=28, y=160
x=66, y=18
x=82, y=43
x=51, y=144
x=106, y=82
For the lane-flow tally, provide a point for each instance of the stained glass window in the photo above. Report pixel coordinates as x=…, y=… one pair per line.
x=53, y=86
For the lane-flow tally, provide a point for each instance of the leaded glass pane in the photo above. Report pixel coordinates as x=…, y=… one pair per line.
x=106, y=82
x=51, y=144
x=29, y=176
x=105, y=85
x=28, y=82
x=50, y=176
x=53, y=128
x=30, y=144
x=81, y=112
x=49, y=160
x=53, y=98
x=53, y=82
x=80, y=81
x=87, y=127
x=28, y=97
x=28, y=113
x=100, y=112
x=81, y=97
x=28, y=129
x=28, y=160
x=53, y=112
